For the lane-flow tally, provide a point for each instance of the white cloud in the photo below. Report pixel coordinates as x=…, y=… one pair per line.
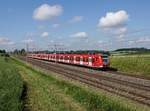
x=29, y=40
x=120, y=37
x=5, y=41
x=51, y=41
x=121, y=30
x=143, y=40
x=113, y=19
x=41, y=27
x=31, y=34
x=45, y=12
x=130, y=42
x=11, y=43
x=55, y=25
x=44, y=34
x=100, y=42
x=115, y=23
x=80, y=35
x=76, y=19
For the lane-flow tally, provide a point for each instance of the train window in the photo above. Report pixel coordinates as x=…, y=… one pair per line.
x=57, y=57
x=90, y=59
x=66, y=58
x=61, y=57
x=93, y=59
x=96, y=59
x=71, y=58
x=104, y=56
x=77, y=58
x=81, y=59
x=86, y=59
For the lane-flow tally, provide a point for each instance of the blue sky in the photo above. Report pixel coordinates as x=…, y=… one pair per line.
x=74, y=24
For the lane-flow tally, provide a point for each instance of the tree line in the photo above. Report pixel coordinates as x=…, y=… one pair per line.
x=4, y=53
x=142, y=49
x=19, y=52
x=73, y=52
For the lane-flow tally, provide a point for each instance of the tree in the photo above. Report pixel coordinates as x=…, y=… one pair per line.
x=22, y=52
x=2, y=51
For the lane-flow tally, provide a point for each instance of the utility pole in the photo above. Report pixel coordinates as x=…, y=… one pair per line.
x=56, y=47
x=27, y=48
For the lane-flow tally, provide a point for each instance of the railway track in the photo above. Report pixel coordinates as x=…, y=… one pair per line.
x=134, y=88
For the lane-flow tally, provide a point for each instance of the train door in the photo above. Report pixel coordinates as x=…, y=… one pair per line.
x=57, y=58
x=63, y=58
x=90, y=61
x=85, y=60
x=74, y=60
x=71, y=59
x=81, y=60
x=68, y=59
x=78, y=60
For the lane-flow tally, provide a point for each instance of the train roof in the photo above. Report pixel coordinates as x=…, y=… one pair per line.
x=72, y=54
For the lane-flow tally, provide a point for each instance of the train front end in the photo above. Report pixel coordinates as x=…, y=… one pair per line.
x=105, y=60
x=100, y=61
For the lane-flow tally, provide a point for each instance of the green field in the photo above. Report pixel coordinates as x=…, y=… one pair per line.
x=11, y=87
x=132, y=64
x=47, y=92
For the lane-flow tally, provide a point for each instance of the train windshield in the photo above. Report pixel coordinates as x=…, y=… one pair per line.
x=105, y=59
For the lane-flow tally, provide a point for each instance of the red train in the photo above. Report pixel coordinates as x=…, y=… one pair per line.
x=89, y=60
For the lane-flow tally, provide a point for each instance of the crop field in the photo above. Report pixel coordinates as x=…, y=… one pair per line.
x=11, y=87
x=133, y=64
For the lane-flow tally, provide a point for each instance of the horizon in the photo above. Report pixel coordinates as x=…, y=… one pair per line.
x=74, y=50
x=74, y=25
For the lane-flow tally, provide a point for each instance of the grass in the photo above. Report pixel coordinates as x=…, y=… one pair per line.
x=47, y=93
x=135, y=64
x=11, y=87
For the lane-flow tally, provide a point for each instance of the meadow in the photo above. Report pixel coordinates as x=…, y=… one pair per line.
x=132, y=64
x=11, y=86
x=47, y=92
